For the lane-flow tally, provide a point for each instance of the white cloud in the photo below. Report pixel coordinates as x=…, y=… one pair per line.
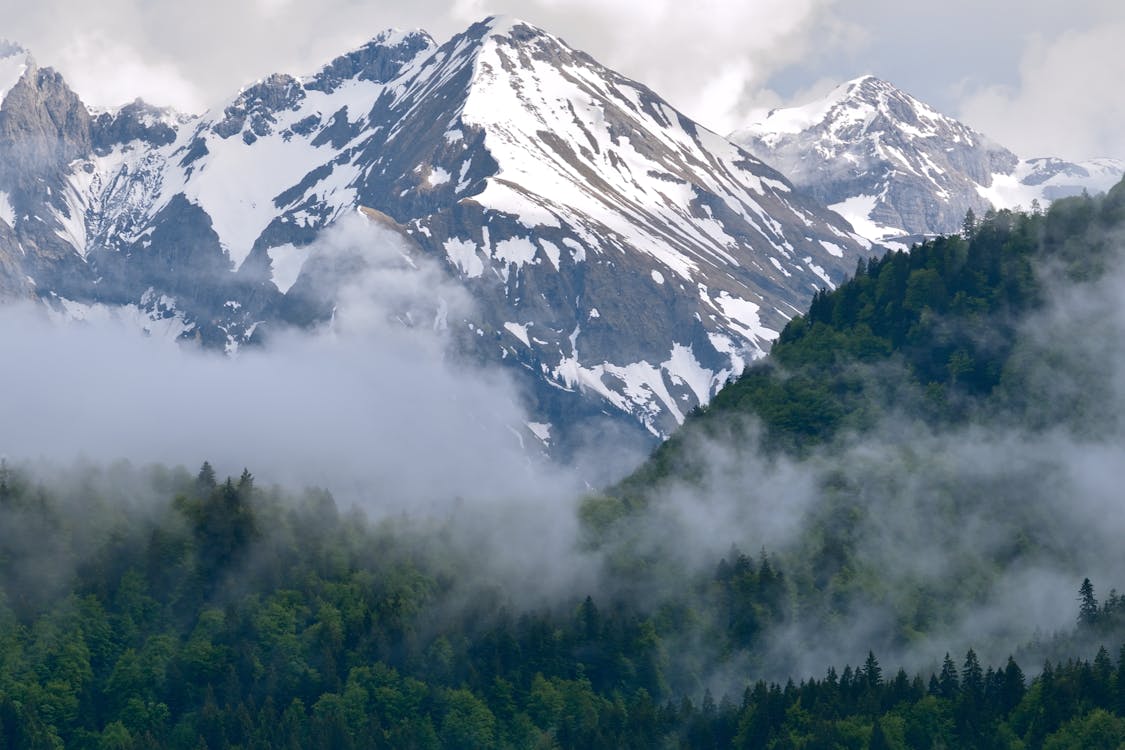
x=109, y=72
x=707, y=58
x=704, y=57
x=368, y=407
x=1067, y=102
x=720, y=61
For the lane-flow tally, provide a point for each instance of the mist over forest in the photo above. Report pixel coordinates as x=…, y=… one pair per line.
x=926, y=465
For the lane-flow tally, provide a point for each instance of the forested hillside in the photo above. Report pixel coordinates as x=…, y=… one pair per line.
x=940, y=332
x=882, y=536
x=232, y=616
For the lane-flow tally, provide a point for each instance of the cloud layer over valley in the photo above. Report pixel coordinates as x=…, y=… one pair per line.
x=373, y=403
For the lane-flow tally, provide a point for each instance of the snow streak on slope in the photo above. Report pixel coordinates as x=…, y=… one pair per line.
x=7, y=213
x=237, y=164
x=595, y=177
x=1049, y=179
x=622, y=257
x=594, y=168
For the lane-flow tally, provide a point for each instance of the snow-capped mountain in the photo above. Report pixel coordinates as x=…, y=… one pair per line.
x=893, y=166
x=624, y=259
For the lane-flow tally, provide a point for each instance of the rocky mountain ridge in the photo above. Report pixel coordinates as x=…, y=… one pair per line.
x=894, y=167
x=624, y=260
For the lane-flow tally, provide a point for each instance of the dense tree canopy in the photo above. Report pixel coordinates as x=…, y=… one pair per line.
x=156, y=608
x=935, y=331
x=229, y=616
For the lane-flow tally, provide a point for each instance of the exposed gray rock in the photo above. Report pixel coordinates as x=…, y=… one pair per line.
x=137, y=121
x=256, y=107
x=893, y=166
x=624, y=261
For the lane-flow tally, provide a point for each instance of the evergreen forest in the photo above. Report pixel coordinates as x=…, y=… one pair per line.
x=925, y=448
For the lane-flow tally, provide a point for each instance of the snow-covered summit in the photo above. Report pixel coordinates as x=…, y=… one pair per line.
x=380, y=59
x=889, y=163
x=624, y=259
x=861, y=106
x=894, y=166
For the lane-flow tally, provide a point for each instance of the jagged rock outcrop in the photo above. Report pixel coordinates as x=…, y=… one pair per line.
x=624, y=260
x=893, y=166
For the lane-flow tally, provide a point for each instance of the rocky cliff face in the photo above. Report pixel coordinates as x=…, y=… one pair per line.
x=43, y=126
x=623, y=260
x=893, y=166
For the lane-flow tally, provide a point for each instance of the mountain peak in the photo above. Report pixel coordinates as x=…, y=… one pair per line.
x=894, y=166
x=627, y=259
x=868, y=82
x=503, y=24
x=395, y=37
x=863, y=105
x=888, y=162
x=513, y=30
x=878, y=91
x=864, y=86
x=380, y=59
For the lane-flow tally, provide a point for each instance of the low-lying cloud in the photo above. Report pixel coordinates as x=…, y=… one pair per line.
x=976, y=536
x=370, y=405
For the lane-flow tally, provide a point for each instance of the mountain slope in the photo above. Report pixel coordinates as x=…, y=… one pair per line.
x=893, y=166
x=630, y=251
x=916, y=443
x=623, y=259
x=958, y=332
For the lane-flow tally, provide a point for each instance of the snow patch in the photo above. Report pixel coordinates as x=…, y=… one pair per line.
x=520, y=332
x=541, y=430
x=286, y=262
x=832, y=248
x=682, y=366
x=577, y=250
x=657, y=276
x=463, y=254
x=724, y=345
x=517, y=250
x=1045, y=180
x=437, y=177
x=154, y=323
x=743, y=316
x=552, y=251
x=7, y=213
x=857, y=211
x=820, y=272
x=236, y=182
x=777, y=264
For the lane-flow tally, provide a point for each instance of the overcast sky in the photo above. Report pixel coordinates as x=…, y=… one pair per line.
x=1039, y=76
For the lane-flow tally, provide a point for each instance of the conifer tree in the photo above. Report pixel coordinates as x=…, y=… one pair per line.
x=872, y=672
x=1013, y=686
x=948, y=684
x=972, y=680
x=1119, y=683
x=5, y=482
x=969, y=225
x=1087, y=605
x=205, y=481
